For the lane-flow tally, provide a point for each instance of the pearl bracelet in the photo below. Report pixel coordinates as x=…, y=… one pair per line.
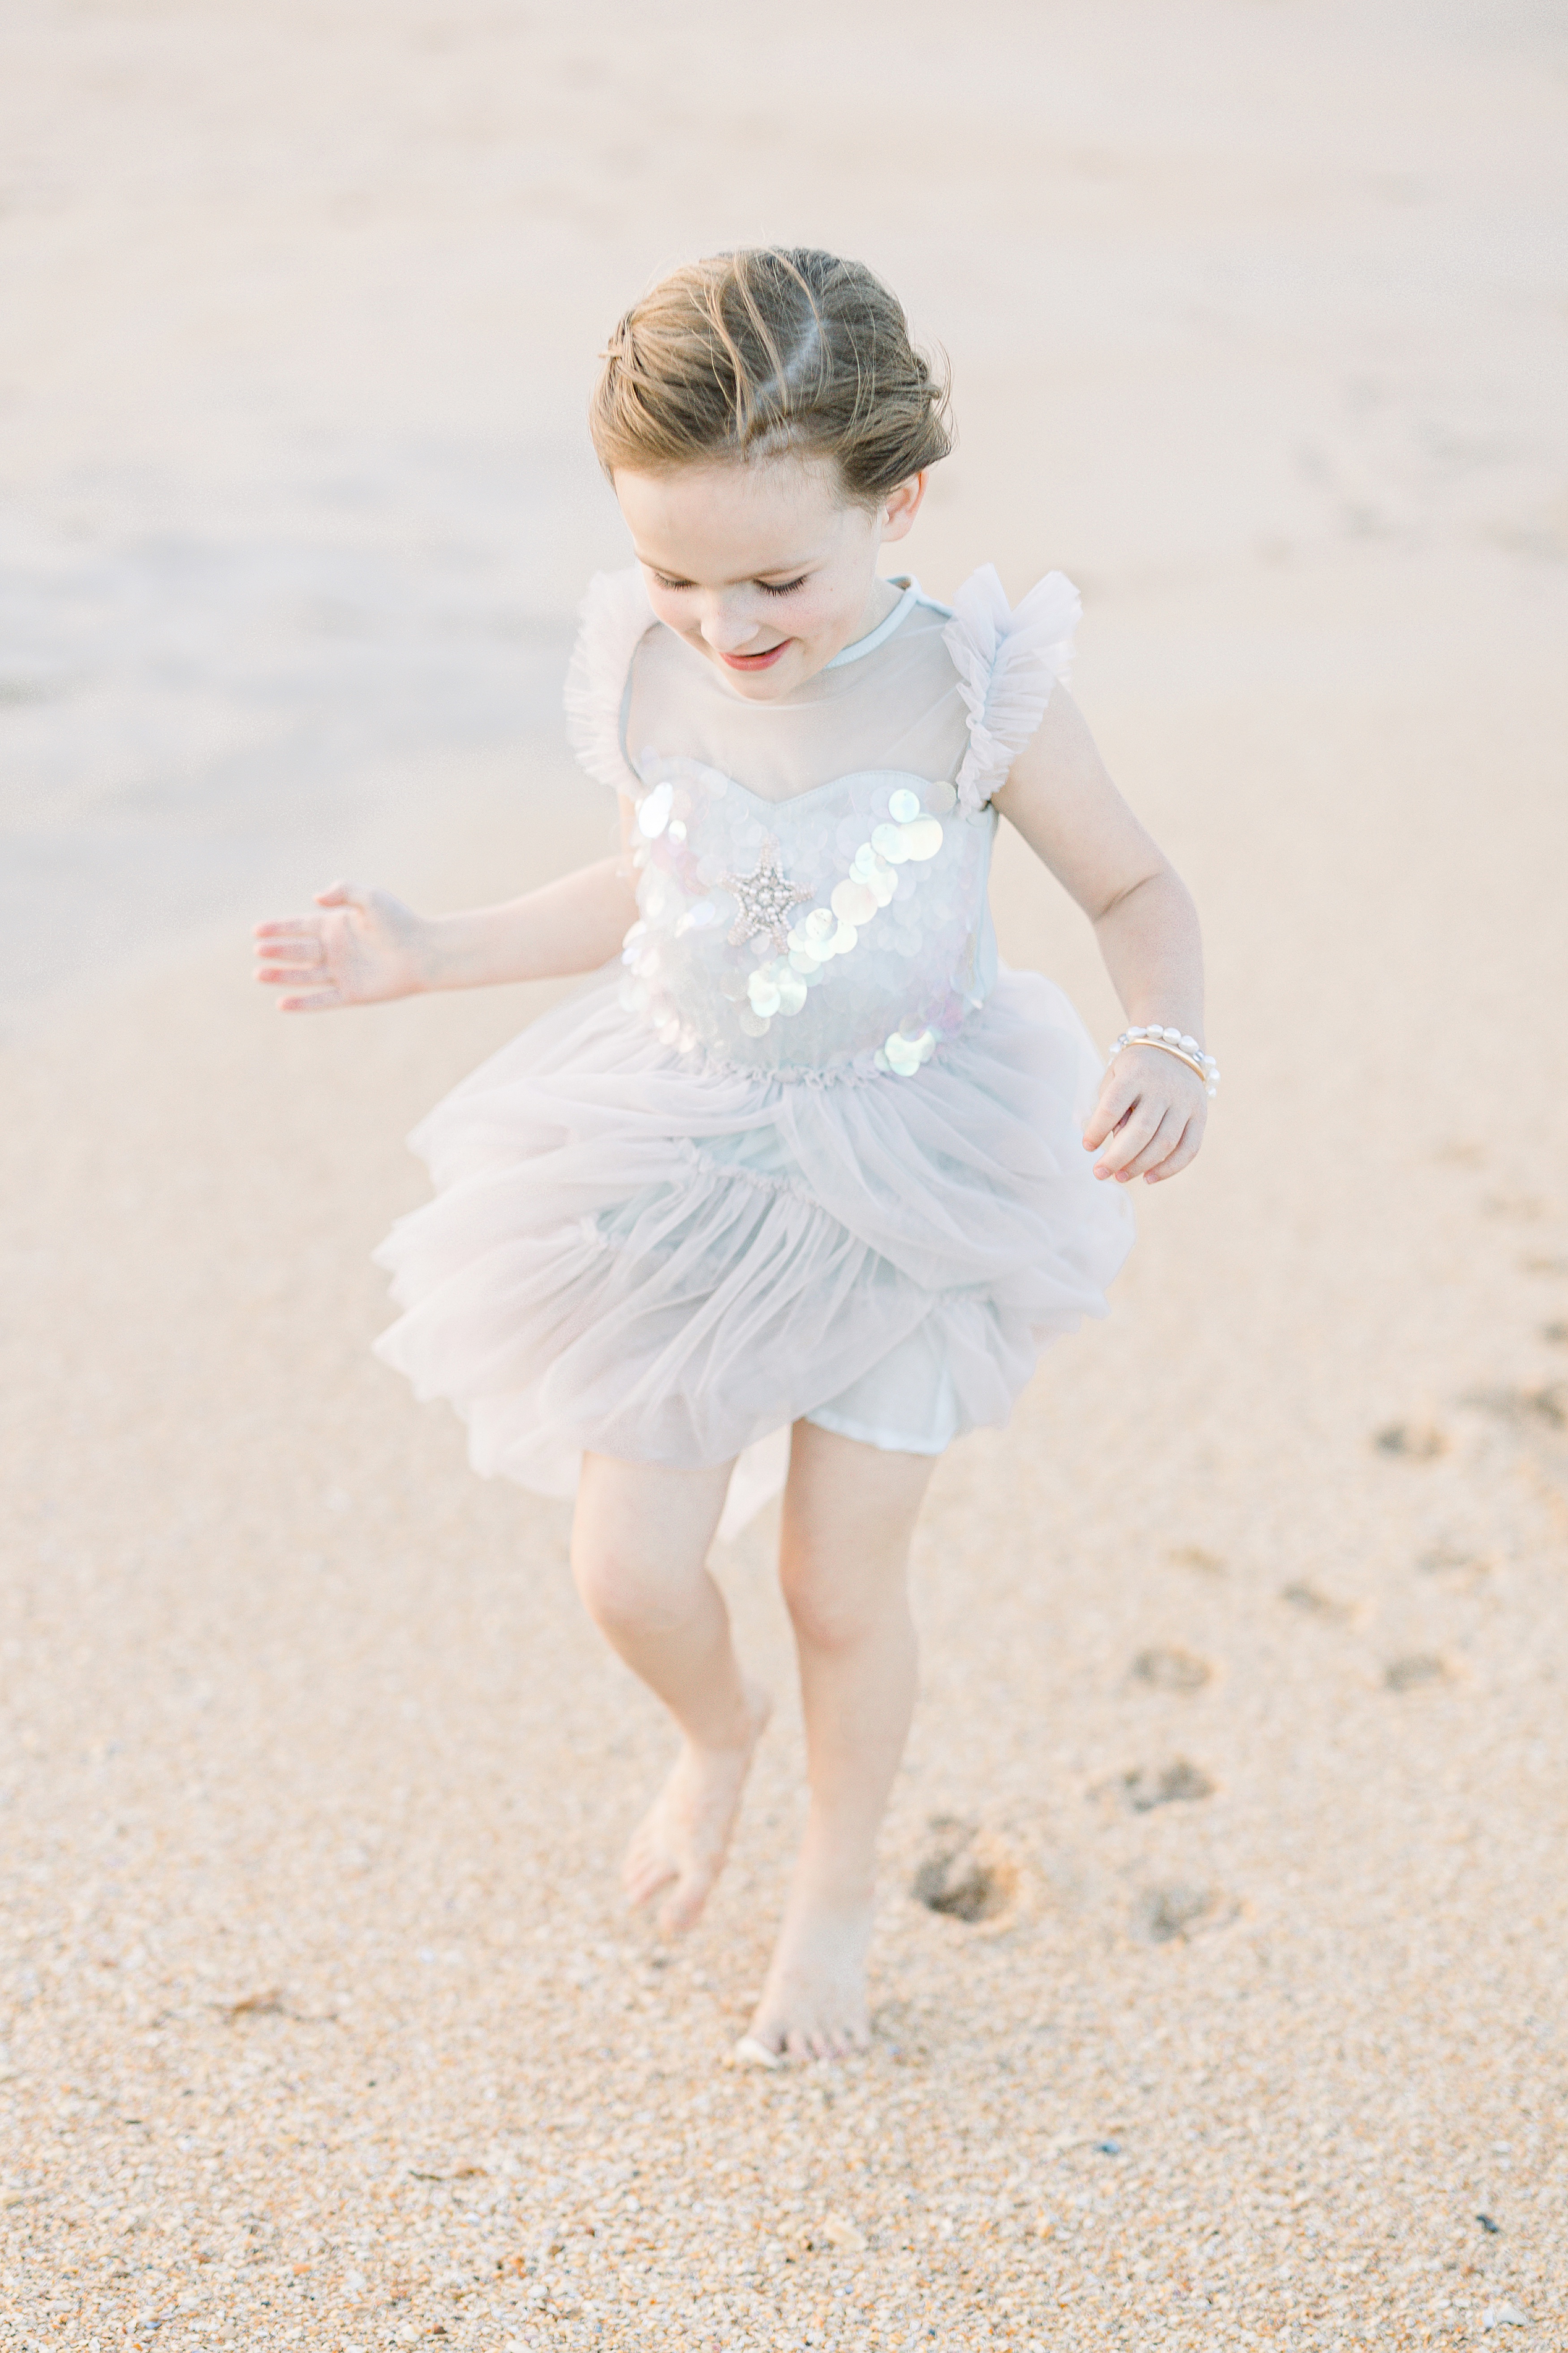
x=1172, y=1042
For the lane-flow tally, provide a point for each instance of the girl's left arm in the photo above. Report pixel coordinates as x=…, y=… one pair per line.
x=1151, y=1109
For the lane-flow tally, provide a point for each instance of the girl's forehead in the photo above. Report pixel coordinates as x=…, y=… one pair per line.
x=736, y=518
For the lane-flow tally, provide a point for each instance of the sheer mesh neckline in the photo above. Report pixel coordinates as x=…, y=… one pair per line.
x=948, y=692
x=894, y=709
x=912, y=596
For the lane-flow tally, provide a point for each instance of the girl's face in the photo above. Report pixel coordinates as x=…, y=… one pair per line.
x=760, y=565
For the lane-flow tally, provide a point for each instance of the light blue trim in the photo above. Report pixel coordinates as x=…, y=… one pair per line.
x=912, y=596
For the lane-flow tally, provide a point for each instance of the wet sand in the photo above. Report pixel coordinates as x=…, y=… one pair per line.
x=1240, y=1741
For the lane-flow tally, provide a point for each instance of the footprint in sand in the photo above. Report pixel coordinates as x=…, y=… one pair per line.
x=1455, y=1564
x=1164, y=1667
x=1543, y=1409
x=1416, y=1441
x=1524, y=1207
x=968, y=1875
x=1313, y=1604
x=1458, y=1155
x=1164, y=1915
x=1176, y=1784
x=1410, y=1673
x=1207, y=1564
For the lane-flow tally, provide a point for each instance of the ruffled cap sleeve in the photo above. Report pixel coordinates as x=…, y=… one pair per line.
x=612, y=620
x=1008, y=659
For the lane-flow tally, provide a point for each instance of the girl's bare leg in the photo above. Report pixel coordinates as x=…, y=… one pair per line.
x=639, y=1552
x=850, y=1512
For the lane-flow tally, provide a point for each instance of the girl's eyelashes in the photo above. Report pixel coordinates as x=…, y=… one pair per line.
x=768, y=587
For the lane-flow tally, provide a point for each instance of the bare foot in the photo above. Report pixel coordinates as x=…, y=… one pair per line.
x=684, y=1836
x=814, y=2003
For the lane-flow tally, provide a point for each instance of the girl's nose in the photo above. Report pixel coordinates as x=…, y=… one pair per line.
x=727, y=631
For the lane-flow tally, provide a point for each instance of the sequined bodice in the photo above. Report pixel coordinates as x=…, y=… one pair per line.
x=845, y=926
x=812, y=871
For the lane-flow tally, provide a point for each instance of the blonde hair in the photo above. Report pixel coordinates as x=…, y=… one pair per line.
x=768, y=350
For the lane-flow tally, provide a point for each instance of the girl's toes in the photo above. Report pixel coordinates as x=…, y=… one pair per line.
x=643, y=1878
x=675, y=1917
x=684, y=1906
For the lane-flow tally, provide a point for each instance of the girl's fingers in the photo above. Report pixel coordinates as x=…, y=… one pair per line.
x=1117, y=1098
x=1153, y=1152
x=288, y=971
x=1128, y=1139
x=1128, y=1152
x=341, y=894
x=316, y=1001
x=290, y=952
x=1186, y=1151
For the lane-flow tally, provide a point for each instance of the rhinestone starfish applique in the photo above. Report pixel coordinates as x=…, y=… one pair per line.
x=767, y=898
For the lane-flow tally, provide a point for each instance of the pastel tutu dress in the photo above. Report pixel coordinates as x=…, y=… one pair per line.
x=807, y=1151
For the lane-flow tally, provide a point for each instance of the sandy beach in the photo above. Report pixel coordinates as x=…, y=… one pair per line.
x=1240, y=1760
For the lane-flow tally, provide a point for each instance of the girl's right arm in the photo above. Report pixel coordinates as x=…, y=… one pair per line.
x=365, y=946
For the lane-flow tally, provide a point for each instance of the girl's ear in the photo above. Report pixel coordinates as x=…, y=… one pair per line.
x=900, y=507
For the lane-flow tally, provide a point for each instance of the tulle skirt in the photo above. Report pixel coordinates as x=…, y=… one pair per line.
x=639, y=1255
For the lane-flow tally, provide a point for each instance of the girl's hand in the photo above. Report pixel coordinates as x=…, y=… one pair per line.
x=364, y=947
x=1153, y=1110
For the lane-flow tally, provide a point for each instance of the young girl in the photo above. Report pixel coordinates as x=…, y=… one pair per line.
x=807, y=1166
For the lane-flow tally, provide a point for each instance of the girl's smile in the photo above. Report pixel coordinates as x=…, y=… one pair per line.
x=757, y=661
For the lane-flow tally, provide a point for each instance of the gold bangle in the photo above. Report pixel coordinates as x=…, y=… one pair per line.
x=1172, y=1042
x=1165, y=1047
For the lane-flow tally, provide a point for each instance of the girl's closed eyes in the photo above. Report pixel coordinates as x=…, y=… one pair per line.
x=768, y=587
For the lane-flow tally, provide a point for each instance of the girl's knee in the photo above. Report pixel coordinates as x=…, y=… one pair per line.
x=639, y=1542
x=624, y=1592
x=831, y=1607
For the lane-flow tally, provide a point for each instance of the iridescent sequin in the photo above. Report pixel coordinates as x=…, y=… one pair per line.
x=905, y=1054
